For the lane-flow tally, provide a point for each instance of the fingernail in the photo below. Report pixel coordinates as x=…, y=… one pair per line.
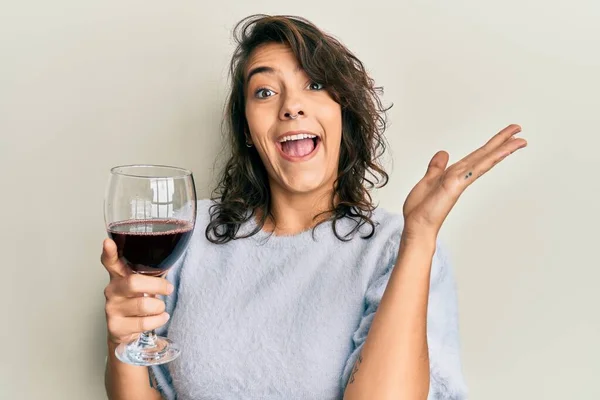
x=168, y=316
x=170, y=288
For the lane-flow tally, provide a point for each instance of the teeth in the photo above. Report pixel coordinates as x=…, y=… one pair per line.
x=297, y=137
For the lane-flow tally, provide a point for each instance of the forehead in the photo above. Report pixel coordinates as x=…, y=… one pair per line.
x=275, y=55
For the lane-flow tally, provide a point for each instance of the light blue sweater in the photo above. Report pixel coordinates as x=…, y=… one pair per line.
x=284, y=317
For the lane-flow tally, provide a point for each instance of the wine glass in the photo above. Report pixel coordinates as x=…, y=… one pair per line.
x=150, y=212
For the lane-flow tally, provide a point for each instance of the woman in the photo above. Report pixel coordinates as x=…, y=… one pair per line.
x=295, y=286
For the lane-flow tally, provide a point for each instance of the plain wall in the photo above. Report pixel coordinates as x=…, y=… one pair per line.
x=88, y=85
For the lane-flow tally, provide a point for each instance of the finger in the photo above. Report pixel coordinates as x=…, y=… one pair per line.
x=110, y=259
x=438, y=164
x=491, y=145
x=136, y=284
x=125, y=326
x=140, y=306
x=505, y=134
x=500, y=154
x=490, y=160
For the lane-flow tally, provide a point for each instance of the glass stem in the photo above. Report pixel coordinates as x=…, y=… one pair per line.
x=147, y=339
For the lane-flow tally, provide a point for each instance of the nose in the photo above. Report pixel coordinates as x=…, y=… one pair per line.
x=292, y=107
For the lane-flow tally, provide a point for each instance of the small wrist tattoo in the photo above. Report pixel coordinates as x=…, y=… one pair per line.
x=467, y=176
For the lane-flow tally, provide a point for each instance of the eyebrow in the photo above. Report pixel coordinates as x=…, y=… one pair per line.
x=265, y=70
x=259, y=70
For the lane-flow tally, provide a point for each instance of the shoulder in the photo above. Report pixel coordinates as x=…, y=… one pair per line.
x=201, y=221
x=388, y=223
x=203, y=210
x=388, y=229
x=197, y=241
x=377, y=249
x=203, y=207
x=388, y=232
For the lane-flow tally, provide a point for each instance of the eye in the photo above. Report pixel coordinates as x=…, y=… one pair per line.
x=315, y=86
x=263, y=93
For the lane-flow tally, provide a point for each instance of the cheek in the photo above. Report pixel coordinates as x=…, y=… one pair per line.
x=333, y=126
x=260, y=124
x=332, y=116
x=253, y=120
x=259, y=121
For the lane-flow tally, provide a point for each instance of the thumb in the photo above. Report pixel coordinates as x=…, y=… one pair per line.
x=438, y=164
x=110, y=259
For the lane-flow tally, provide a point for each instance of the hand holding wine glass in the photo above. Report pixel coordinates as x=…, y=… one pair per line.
x=128, y=311
x=150, y=212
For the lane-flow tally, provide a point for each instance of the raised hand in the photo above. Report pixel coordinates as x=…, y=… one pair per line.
x=430, y=201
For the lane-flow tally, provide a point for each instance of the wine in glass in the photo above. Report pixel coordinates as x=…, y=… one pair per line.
x=150, y=212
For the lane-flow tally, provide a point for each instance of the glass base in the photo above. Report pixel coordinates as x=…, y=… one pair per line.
x=142, y=352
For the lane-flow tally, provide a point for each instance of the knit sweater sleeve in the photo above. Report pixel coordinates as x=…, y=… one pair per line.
x=446, y=382
x=160, y=377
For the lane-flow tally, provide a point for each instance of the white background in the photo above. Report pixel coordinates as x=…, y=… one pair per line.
x=86, y=85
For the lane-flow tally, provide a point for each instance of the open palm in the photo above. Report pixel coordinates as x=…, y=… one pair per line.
x=430, y=201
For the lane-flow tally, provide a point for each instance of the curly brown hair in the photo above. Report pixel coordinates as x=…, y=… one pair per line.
x=243, y=188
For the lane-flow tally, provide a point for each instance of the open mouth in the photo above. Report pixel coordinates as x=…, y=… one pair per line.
x=299, y=147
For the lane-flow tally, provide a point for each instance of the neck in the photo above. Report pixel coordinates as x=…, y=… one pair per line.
x=293, y=213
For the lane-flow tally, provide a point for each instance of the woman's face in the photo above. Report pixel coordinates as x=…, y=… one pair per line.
x=294, y=123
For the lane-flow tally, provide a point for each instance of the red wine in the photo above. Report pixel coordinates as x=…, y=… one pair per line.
x=151, y=246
